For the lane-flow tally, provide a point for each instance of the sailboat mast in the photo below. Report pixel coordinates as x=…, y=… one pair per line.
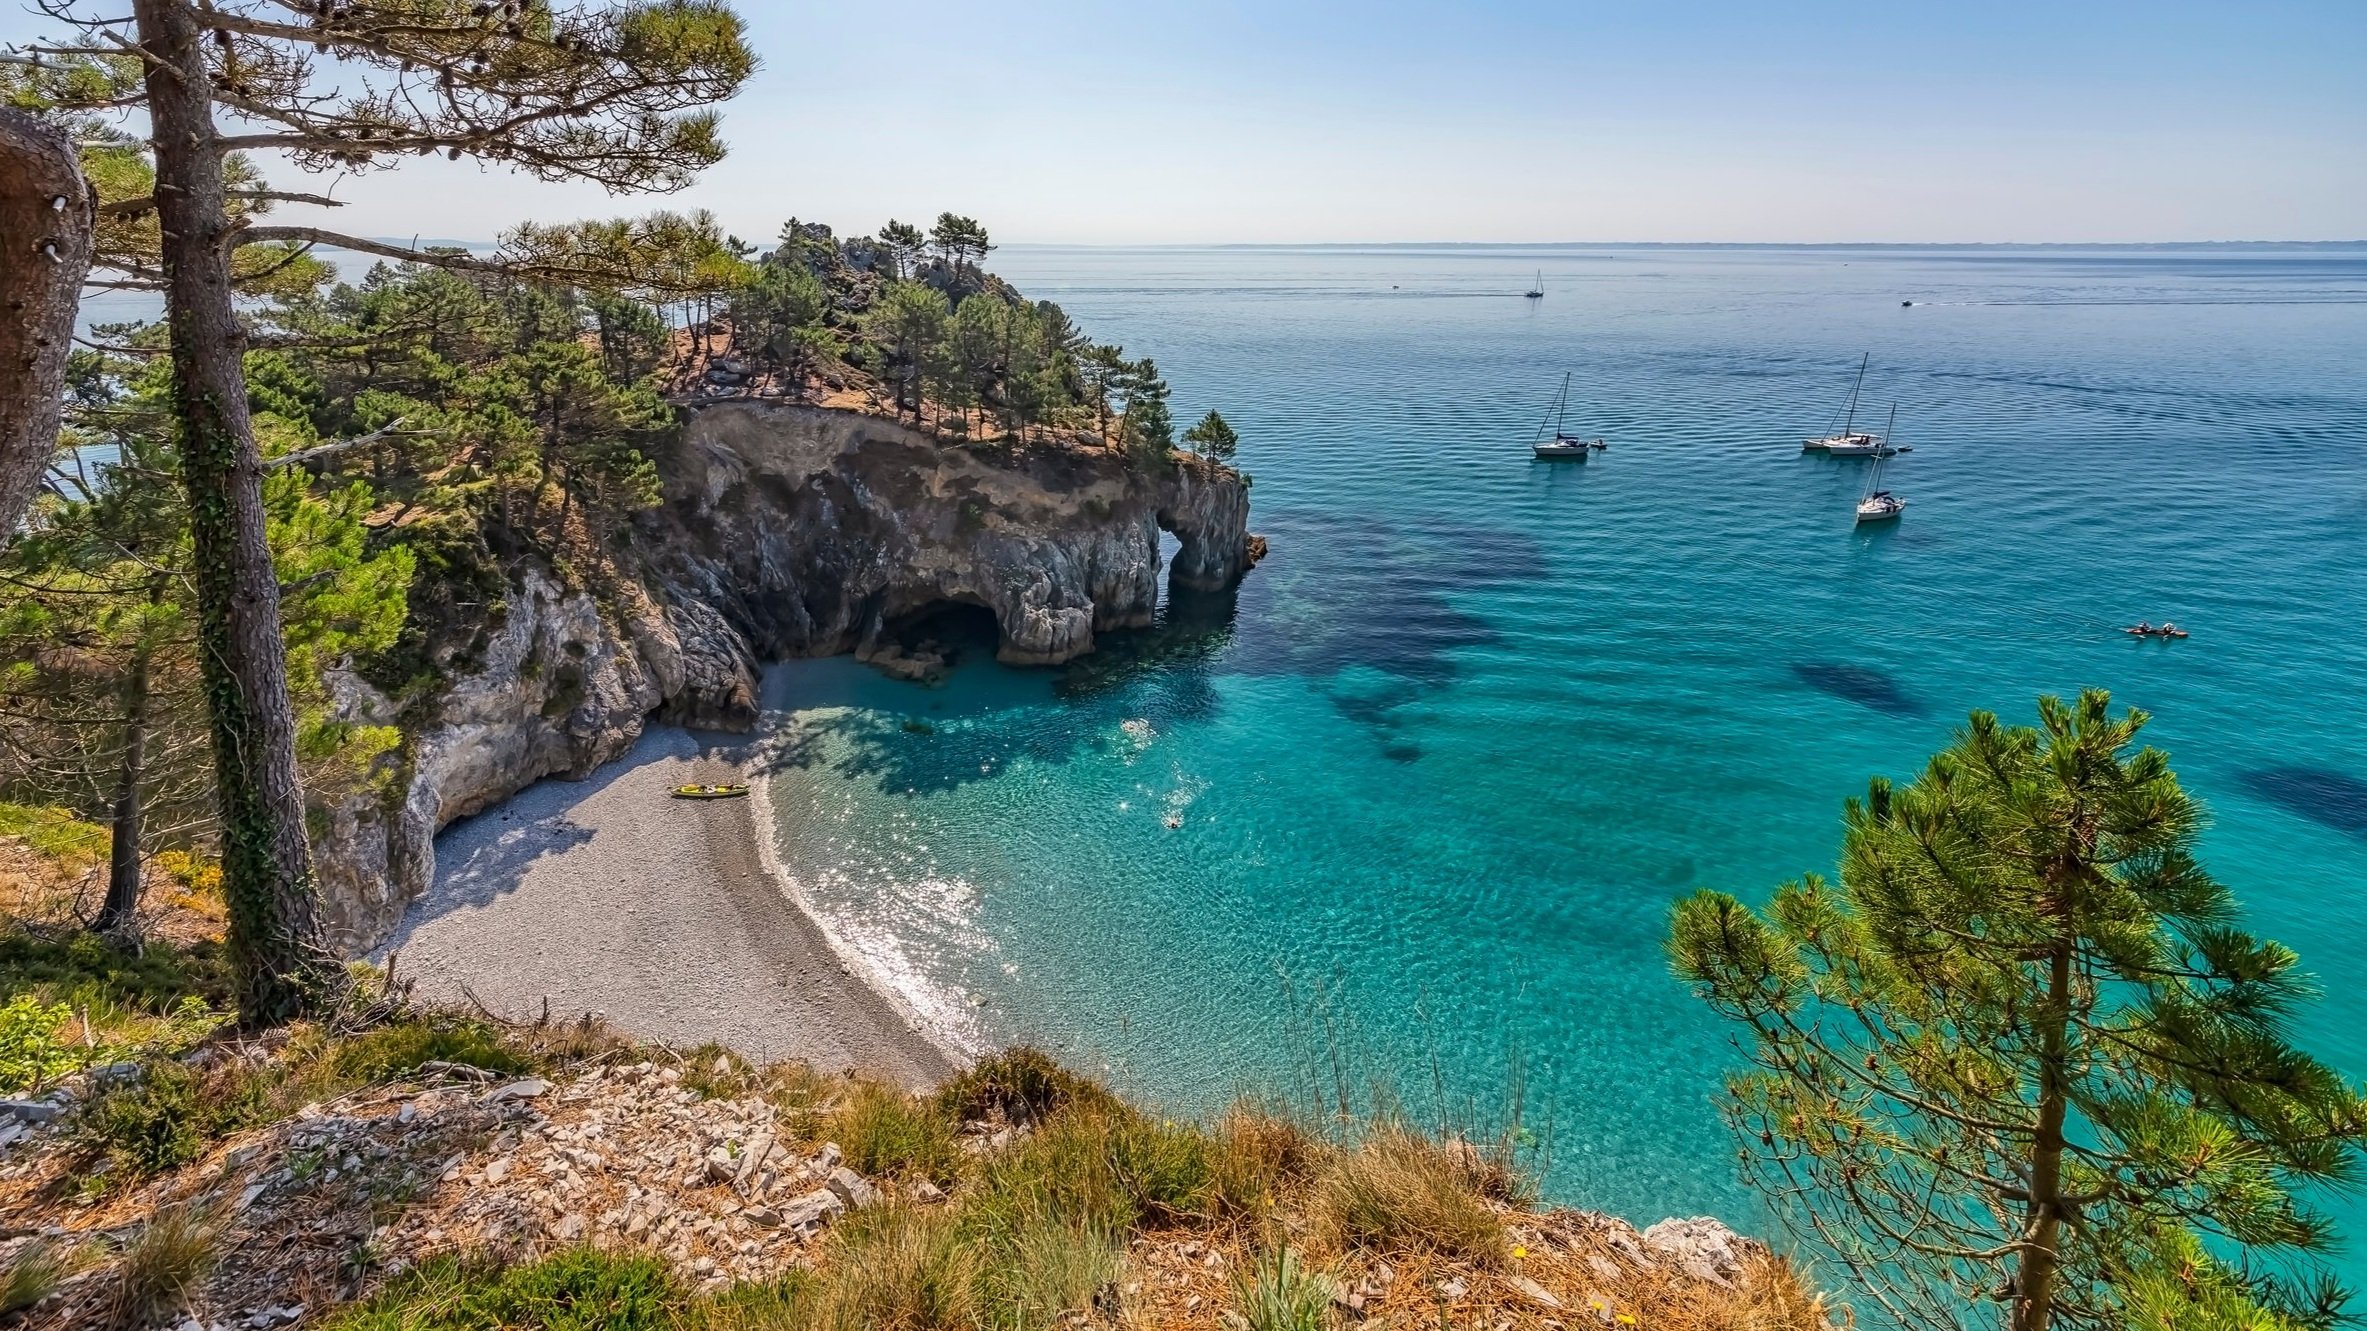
x=1874, y=477
x=1851, y=423
x=1561, y=411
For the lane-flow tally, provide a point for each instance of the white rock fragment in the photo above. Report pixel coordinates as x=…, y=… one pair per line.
x=1534, y=1292
x=852, y=1187
x=1701, y=1247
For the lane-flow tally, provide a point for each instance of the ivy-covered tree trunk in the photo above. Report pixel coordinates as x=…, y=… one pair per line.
x=275, y=936
x=46, y=216
x=121, y=908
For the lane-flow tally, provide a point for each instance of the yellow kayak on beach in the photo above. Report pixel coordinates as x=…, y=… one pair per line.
x=707, y=792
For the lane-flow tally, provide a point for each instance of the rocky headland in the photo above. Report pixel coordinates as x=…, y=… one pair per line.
x=786, y=530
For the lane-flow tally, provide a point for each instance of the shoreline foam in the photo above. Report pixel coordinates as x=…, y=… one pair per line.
x=859, y=965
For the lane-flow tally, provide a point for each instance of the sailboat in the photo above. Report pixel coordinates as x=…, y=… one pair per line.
x=1564, y=446
x=1537, y=292
x=1880, y=505
x=1849, y=443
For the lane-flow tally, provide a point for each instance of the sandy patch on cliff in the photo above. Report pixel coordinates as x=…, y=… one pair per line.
x=605, y=896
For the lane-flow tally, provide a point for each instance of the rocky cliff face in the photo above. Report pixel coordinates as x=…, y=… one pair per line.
x=815, y=532
x=786, y=531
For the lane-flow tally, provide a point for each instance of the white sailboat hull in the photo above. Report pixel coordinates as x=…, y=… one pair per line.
x=1564, y=450
x=1880, y=508
x=1847, y=445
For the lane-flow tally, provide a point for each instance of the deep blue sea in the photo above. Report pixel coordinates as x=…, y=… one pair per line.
x=1439, y=773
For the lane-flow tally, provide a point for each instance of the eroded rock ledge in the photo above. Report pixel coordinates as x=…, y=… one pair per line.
x=787, y=531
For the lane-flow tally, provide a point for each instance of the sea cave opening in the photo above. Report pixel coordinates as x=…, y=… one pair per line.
x=948, y=630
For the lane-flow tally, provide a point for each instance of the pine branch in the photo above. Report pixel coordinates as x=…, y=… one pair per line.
x=307, y=456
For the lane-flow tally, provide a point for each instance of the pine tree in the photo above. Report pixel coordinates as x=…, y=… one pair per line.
x=2021, y=1052
x=784, y=309
x=1213, y=438
x=903, y=243
x=981, y=333
x=617, y=94
x=1104, y=370
x=1147, y=428
x=961, y=240
x=910, y=323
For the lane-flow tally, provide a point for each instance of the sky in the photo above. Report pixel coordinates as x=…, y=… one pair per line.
x=1295, y=121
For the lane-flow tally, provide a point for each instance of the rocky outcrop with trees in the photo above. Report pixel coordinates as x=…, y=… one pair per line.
x=785, y=530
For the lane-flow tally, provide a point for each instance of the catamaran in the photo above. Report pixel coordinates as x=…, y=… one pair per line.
x=1880, y=505
x=1564, y=446
x=1849, y=442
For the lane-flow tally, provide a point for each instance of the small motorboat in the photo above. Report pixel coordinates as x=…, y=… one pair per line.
x=707, y=792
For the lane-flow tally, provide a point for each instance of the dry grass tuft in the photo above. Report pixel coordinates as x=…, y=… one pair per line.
x=159, y=1269
x=1257, y=1157
x=39, y=1268
x=1048, y=1271
x=883, y=1131
x=896, y=1269
x=1400, y=1192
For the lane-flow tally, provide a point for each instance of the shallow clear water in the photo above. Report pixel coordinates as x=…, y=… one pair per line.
x=1477, y=721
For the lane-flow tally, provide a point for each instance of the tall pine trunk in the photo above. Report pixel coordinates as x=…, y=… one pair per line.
x=46, y=214
x=275, y=934
x=2042, y=1231
x=121, y=909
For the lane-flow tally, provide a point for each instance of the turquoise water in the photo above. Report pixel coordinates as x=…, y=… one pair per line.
x=1477, y=721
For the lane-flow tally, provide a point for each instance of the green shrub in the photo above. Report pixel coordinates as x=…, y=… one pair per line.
x=30, y=1051
x=81, y=969
x=1022, y=1085
x=884, y=1131
x=168, y=1115
x=580, y=1289
x=394, y=1050
x=56, y=834
x=1280, y=1294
